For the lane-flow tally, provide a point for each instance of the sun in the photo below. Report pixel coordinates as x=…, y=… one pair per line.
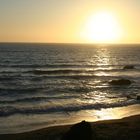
x=102, y=27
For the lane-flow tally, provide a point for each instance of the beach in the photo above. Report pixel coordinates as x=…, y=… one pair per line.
x=111, y=124
x=70, y=70
x=53, y=86
x=122, y=129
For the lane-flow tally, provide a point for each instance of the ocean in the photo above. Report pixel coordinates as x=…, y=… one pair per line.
x=49, y=84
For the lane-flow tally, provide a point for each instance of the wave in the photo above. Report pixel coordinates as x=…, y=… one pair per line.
x=63, y=65
x=55, y=71
x=18, y=90
x=35, y=99
x=6, y=78
x=59, y=71
x=24, y=100
x=62, y=71
x=46, y=65
x=71, y=71
x=79, y=71
x=10, y=110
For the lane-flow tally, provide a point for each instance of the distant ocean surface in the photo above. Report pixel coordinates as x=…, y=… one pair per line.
x=44, y=84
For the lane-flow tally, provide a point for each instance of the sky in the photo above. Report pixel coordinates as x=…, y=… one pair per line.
x=63, y=21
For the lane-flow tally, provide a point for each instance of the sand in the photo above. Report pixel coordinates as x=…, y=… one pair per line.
x=121, y=129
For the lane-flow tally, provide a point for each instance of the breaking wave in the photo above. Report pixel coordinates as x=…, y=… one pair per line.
x=9, y=110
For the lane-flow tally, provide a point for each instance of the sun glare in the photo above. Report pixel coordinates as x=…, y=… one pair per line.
x=102, y=27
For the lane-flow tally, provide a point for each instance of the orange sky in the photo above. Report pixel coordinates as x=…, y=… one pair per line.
x=64, y=20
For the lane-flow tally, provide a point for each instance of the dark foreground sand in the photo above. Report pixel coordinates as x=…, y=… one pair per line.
x=122, y=129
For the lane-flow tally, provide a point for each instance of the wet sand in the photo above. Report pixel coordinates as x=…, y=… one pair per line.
x=121, y=129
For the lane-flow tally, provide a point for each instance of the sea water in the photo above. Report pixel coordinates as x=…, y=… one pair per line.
x=48, y=84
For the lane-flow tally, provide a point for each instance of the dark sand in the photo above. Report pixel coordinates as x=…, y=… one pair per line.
x=121, y=129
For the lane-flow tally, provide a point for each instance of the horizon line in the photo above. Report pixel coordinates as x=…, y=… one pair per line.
x=20, y=42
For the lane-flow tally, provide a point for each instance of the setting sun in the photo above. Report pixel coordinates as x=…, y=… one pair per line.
x=102, y=27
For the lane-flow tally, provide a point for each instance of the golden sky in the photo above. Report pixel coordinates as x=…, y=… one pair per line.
x=70, y=21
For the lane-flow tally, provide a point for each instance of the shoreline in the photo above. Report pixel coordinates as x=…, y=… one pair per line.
x=120, y=118
x=125, y=128
x=70, y=118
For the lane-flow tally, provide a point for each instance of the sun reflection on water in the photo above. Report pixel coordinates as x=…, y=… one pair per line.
x=102, y=74
x=106, y=114
x=117, y=113
x=102, y=61
x=103, y=57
